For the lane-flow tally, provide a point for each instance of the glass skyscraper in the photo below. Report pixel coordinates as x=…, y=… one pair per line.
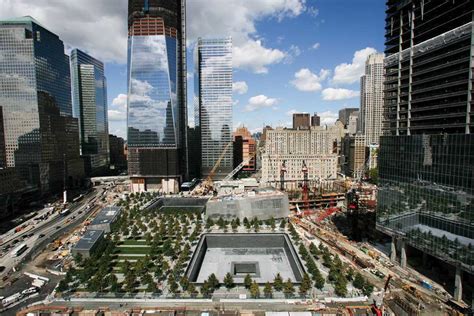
x=157, y=118
x=213, y=102
x=89, y=99
x=426, y=158
x=35, y=94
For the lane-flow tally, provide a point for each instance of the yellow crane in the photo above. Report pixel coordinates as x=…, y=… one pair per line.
x=207, y=185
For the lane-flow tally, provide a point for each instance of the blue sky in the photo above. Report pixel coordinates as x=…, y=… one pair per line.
x=289, y=55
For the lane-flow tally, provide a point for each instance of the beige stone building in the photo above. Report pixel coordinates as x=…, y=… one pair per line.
x=318, y=147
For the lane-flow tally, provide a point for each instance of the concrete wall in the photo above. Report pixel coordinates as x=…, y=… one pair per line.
x=263, y=207
x=244, y=241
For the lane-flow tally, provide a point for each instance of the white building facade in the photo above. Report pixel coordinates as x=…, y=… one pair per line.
x=372, y=99
x=317, y=148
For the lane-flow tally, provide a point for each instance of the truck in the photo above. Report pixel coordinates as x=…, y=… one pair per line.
x=18, y=251
x=64, y=212
x=12, y=299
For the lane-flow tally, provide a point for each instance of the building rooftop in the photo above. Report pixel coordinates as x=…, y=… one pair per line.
x=89, y=239
x=21, y=20
x=107, y=215
x=254, y=193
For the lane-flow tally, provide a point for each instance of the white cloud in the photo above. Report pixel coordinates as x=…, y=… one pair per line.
x=328, y=117
x=315, y=46
x=291, y=112
x=115, y=115
x=118, y=110
x=253, y=56
x=240, y=87
x=120, y=101
x=293, y=52
x=333, y=94
x=349, y=73
x=260, y=101
x=307, y=81
x=238, y=18
x=98, y=27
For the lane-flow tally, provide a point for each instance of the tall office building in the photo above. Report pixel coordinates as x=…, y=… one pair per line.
x=345, y=113
x=118, y=160
x=315, y=120
x=371, y=99
x=301, y=121
x=245, y=148
x=41, y=136
x=213, y=80
x=89, y=100
x=426, y=161
x=157, y=118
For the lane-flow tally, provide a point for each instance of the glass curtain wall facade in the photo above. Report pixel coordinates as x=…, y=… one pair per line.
x=157, y=119
x=214, y=100
x=426, y=158
x=89, y=99
x=35, y=94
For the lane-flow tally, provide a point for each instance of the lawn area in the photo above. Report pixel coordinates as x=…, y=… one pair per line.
x=133, y=250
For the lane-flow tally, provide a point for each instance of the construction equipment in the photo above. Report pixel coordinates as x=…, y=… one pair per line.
x=239, y=167
x=412, y=290
x=207, y=185
x=328, y=212
x=305, y=186
x=282, y=175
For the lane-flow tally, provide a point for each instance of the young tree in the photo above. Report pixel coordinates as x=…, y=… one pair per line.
x=248, y=281
x=209, y=223
x=340, y=288
x=256, y=226
x=206, y=289
x=213, y=281
x=112, y=280
x=172, y=285
x=358, y=281
x=288, y=288
x=267, y=290
x=305, y=285
x=283, y=224
x=125, y=267
x=192, y=290
x=278, y=283
x=184, y=282
x=350, y=274
x=221, y=223
x=254, y=290
x=152, y=288
x=368, y=289
x=63, y=286
x=272, y=224
x=78, y=258
x=130, y=282
x=229, y=281
x=319, y=281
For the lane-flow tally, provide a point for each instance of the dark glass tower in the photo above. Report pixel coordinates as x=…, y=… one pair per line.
x=157, y=118
x=89, y=98
x=41, y=136
x=426, y=159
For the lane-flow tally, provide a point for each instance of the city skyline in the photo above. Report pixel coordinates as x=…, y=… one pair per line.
x=292, y=36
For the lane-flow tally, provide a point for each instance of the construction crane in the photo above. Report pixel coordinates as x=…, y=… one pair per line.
x=239, y=167
x=282, y=175
x=207, y=185
x=305, y=186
